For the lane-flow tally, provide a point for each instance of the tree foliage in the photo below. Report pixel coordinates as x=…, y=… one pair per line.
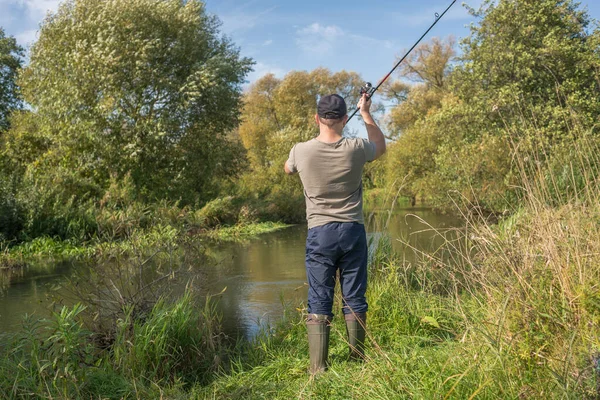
x=534, y=59
x=145, y=88
x=419, y=93
x=421, y=85
x=10, y=63
x=135, y=96
x=527, y=82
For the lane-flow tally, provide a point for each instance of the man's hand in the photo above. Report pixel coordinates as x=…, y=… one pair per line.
x=286, y=169
x=364, y=104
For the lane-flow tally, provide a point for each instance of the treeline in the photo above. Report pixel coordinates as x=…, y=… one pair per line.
x=131, y=110
x=130, y=104
x=521, y=97
x=524, y=89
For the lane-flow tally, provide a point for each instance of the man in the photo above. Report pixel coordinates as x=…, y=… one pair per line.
x=330, y=168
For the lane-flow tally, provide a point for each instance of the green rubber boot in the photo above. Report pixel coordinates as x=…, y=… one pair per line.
x=355, y=326
x=318, y=329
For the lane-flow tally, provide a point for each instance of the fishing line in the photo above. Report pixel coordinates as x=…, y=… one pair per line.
x=370, y=90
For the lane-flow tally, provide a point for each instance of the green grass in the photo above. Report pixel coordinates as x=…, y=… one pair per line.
x=157, y=235
x=422, y=345
x=242, y=232
x=505, y=311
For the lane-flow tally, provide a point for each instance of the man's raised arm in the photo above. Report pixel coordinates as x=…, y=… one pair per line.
x=375, y=134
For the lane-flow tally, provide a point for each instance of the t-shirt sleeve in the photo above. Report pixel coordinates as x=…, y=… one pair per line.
x=291, y=161
x=370, y=150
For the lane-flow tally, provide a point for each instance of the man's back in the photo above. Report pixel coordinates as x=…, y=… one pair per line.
x=331, y=174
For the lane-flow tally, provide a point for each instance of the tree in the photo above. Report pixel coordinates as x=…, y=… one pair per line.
x=272, y=105
x=140, y=88
x=526, y=83
x=421, y=85
x=419, y=93
x=10, y=63
x=530, y=58
x=527, y=79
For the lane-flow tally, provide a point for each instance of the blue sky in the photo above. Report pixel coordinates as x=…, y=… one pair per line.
x=362, y=36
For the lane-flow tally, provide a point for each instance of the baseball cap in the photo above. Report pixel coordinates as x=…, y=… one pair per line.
x=331, y=106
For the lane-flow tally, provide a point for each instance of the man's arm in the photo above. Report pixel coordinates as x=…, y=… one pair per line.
x=373, y=131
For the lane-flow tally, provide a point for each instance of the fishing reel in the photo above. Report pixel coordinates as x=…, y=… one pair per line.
x=368, y=89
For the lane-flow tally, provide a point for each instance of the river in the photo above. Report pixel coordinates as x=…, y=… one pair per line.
x=253, y=280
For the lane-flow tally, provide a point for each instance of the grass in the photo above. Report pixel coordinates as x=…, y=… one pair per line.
x=508, y=310
x=59, y=358
x=242, y=232
x=47, y=247
x=496, y=332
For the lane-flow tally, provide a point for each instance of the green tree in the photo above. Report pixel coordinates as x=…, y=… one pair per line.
x=10, y=63
x=527, y=82
x=11, y=54
x=140, y=88
x=531, y=58
x=421, y=85
x=272, y=104
x=418, y=93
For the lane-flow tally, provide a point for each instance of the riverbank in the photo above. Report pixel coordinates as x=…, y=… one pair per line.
x=516, y=316
x=52, y=248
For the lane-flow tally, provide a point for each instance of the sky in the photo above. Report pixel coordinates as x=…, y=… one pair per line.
x=364, y=36
x=281, y=36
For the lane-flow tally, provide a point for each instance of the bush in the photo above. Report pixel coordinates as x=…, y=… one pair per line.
x=220, y=211
x=12, y=218
x=59, y=358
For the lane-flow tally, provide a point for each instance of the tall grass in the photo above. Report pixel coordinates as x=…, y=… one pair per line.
x=506, y=310
x=500, y=310
x=176, y=345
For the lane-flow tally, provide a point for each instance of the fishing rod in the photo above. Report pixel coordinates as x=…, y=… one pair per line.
x=370, y=90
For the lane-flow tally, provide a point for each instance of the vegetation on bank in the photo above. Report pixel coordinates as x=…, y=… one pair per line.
x=117, y=137
x=119, y=128
x=44, y=248
x=505, y=310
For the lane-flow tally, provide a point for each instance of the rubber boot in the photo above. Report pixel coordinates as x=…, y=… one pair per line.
x=355, y=326
x=318, y=328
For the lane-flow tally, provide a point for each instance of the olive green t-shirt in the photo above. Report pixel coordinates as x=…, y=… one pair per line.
x=331, y=174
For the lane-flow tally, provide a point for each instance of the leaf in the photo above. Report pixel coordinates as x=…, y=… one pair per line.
x=430, y=321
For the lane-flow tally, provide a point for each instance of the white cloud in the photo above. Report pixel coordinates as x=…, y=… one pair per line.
x=261, y=69
x=239, y=20
x=37, y=9
x=26, y=38
x=320, y=40
x=268, y=42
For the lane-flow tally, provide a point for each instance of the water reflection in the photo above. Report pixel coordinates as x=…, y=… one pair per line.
x=256, y=276
x=259, y=276
x=27, y=290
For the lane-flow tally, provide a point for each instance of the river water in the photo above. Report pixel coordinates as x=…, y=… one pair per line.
x=253, y=280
